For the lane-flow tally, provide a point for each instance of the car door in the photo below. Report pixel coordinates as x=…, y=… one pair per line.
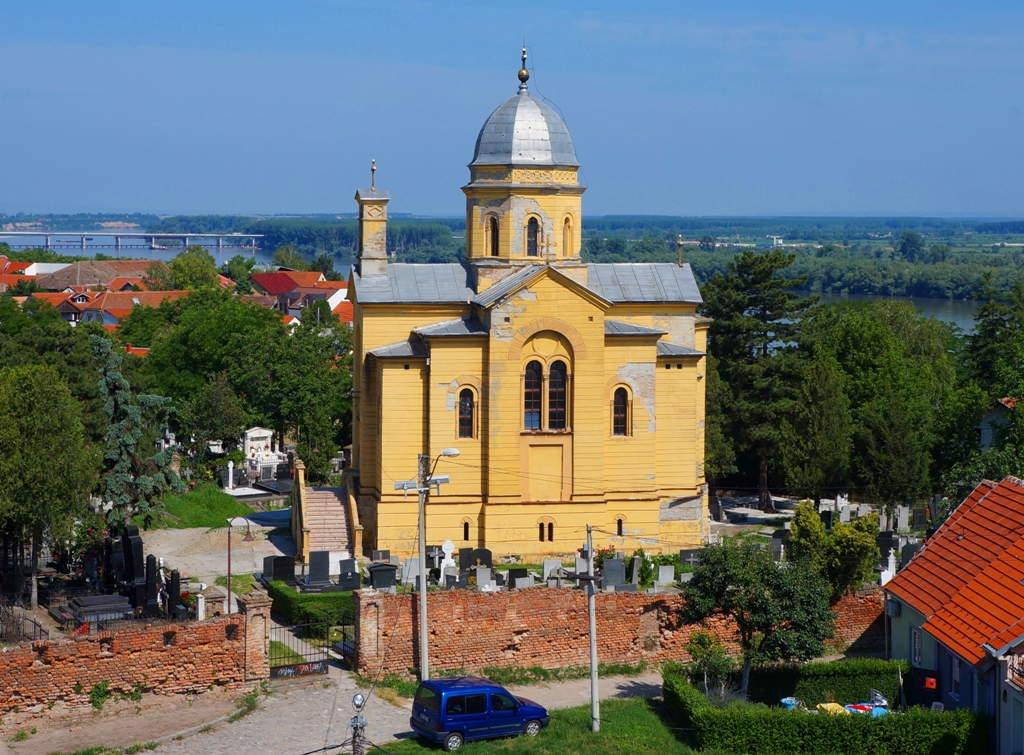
x=477, y=722
x=504, y=715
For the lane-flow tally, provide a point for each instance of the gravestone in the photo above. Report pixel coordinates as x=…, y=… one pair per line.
x=434, y=556
x=613, y=573
x=463, y=583
x=319, y=569
x=382, y=576
x=523, y=583
x=827, y=518
x=174, y=594
x=886, y=542
x=863, y=510
x=902, y=517
x=200, y=607
x=152, y=607
x=284, y=569
x=715, y=509
x=908, y=553
x=483, y=576
x=450, y=580
x=447, y=549
x=481, y=557
x=348, y=576
x=635, y=564
x=844, y=515
x=381, y=556
x=464, y=558
x=631, y=587
x=514, y=574
x=666, y=575
x=582, y=565
x=689, y=557
x=499, y=579
x=920, y=519
x=550, y=565
x=783, y=535
x=410, y=571
x=777, y=548
x=268, y=568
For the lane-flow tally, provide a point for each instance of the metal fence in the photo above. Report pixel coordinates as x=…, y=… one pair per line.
x=18, y=626
x=301, y=650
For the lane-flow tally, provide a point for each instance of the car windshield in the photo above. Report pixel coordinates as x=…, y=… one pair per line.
x=429, y=699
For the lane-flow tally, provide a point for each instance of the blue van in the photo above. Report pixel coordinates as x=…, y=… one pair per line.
x=453, y=711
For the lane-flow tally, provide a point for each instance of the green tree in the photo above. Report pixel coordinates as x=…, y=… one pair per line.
x=707, y=243
x=238, y=269
x=159, y=277
x=756, y=321
x=288, y=256
x=24, y=288
x=46, y=470
x=911, y=246
x=781, y=611
x=719, y=454
x=136, y=475
x=851, y=555
x=194, y=269
x=710, y=664
x=324, y=263
x=215, y=413
x=808, y=540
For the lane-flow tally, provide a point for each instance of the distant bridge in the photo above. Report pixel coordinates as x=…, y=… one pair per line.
x=115, y=239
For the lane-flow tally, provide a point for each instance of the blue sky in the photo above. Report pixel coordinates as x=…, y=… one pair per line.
x=696, y=108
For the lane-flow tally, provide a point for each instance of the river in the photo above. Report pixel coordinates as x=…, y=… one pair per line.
x=959, y=312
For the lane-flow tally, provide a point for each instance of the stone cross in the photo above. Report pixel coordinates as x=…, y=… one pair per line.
x=448, y=549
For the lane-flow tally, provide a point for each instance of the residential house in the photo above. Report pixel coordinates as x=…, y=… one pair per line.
x=996, y=417
x=282, y=281
x=70, y=304
x=10, y=280
x=110, y=307
x=95, y=274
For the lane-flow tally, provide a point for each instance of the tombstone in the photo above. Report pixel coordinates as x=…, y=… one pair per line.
x=902, y=517
x=447, y=549
x=381, y=556
x=666, y=575
x=382, y=576
x=613, y=572
x=550, y=565
x=523, y=583
x=499, y=579
x=319, y=569
x=582, y=566
x=134, y=562
x=920, y=519
x=886, y=542
x=690, y=557
x=336, y=557
x=284, y=569
x=908, y=553
x=348, y=575
x=715, y=509
x=863, y=510
x=463, y=583
x=268, y=569
x=777, y=548
x=434, y=556
x=635, y=564
x=410, y=571
x=464, y=558
x=933, y=508
x=514, y=574
x=200, y=607
x=450, y=580
x=844, y=516
x=152, y=606
x=827, y=518
x=480, y=557
x=483, y=577
x=782, y=535
x=631, y=587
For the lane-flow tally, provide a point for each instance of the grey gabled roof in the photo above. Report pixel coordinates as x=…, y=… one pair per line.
x=448, y=328
x=666, y=349
x=415, y=284
x=506, y=285
x=617, y=328
x=652, y=282
x=402, y=349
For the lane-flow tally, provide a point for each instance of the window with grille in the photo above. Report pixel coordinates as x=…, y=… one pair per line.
x=531, y=396
x=493, y=228
x=466, y=413
x=620, y=412
x=557, y=396
x=532, y=237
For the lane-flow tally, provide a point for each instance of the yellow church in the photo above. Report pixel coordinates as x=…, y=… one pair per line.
x=573, y=392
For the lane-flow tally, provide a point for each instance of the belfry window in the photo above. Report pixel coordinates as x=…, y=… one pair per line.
x=467, y=407
x=620, y=412
x=567, y=238
x=532, y=237
x=492, y=227
x=531, y=396
x=556, y=396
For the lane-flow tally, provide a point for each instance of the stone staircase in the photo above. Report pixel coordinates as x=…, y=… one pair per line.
x=327, y=519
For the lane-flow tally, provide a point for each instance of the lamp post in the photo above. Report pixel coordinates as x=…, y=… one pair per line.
x=247, y=539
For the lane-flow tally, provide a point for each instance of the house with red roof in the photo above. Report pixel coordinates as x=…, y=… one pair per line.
x=8, y=267
x=283, y=281
x=996, y=418
x=70, y=304
x=956, y=611
x=110, y=307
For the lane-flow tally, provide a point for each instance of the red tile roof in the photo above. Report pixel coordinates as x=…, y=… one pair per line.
x=1009, y=402
x=273, y=283
x=9, y=280
x=331, y=284
x=306, y=278
x=7, y=267
x=344, y=311
x=123, y=284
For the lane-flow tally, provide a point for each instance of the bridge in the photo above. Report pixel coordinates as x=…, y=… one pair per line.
x=115, y=239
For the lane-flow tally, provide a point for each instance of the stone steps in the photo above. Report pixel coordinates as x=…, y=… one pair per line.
x=327, y=517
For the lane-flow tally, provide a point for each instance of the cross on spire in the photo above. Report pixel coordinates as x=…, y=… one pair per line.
x=373, y=175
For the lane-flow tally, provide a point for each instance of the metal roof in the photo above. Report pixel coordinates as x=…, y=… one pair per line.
x=524, y=131
x=666, y=349
x=617, y=328
x=507, y=285
x=400, y=350
x=643, y=282
x=468, y=327
x=415, y=284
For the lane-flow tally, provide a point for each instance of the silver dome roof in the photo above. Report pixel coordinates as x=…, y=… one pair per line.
x=524, y=131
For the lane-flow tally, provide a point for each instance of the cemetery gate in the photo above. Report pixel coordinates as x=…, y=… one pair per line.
x=307, y=649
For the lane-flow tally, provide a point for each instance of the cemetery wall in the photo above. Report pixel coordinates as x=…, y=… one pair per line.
x=548, y=627
x=165, y=658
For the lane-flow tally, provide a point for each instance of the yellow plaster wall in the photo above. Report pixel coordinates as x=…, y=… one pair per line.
x=512, y=206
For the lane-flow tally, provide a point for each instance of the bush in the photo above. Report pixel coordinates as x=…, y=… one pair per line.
x=757, y=730
x=842, y=682
x=315, y=608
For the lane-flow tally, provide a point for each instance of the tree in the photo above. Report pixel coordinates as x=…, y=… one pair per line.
x=158, y=277
x=845, y=557
x=719, y=455
x=194, y=269
x=710, y=663
x=288, y=256
x=24, y=288
x=324, y=263
x=46, y=470
x=238, y=269
x=911, y=246
x=781, y=611
x=214, y=414
x=136, y=475
x=707, y=243
x=756, y=320
x=808, y=540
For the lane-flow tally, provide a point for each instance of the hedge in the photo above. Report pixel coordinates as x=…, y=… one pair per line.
x=842, y=682
x=311, y=608
x=759, y=730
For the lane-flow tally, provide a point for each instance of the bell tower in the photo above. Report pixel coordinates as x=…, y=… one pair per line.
x=372, y=258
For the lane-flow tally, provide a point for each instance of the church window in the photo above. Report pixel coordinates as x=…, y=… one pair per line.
x=551, y=532
x=532, y=237
x=467, y=411
x=620, y=412
x=556, y=396
x=531, y=396
x=567, y=238
x=465, y=531
x=540, y=531
x=618, y=527
x=492, y=227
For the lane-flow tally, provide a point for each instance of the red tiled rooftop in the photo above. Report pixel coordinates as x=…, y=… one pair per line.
x=305, y=277
x=274, y=283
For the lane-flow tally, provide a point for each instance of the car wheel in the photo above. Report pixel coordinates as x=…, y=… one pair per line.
x=532, y=728
x=452, y=742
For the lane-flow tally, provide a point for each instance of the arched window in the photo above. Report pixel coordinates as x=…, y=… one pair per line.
x=540, y=531
x=532, y=237
x=567, y=238
x=556, y=396
x=467, y=419
x=551, y=532
x=618, y=527
x=531, y=396
x=492, y=227
x=620, y=412
x=465, y=531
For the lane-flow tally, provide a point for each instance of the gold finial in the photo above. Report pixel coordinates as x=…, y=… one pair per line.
x=524, y=75
x=679, y=248
x=373, y=175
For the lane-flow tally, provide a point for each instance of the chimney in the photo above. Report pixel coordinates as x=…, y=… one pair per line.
x=373, y=225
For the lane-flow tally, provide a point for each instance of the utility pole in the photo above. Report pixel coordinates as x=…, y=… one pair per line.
x=422, y=482
x=595, y=700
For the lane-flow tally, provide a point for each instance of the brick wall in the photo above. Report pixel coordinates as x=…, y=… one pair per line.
x=547, y=627
x=167, y=658
x=860, y=624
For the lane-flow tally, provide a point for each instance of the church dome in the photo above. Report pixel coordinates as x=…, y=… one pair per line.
x=524, y=131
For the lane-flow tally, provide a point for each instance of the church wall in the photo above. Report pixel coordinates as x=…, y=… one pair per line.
x=512, y=213
x=628, y=468
x=676, y=320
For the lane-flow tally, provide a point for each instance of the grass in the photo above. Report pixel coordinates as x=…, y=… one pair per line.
x=101, y=750
x=282, y=655
x=240, y=583
x=628, y=727
x=205, y=506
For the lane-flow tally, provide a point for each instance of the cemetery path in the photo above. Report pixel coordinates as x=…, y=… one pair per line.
x=293, y=720
x=198, y=552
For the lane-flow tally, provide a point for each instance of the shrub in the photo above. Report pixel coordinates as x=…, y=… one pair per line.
x=332, y=607
x=842, y=682
x=757, y=729
x=99, y=695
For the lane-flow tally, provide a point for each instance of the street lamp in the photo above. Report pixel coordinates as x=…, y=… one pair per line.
x=233, y=522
